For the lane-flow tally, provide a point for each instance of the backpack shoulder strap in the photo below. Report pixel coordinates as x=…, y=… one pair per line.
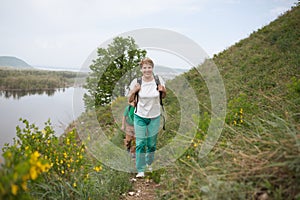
x=157, y=81
x=139, y=81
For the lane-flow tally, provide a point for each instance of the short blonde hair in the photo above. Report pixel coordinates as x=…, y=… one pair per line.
x=146, y=61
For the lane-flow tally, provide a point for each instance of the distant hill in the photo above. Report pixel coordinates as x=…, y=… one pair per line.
x=10, y=61
x=168, y=73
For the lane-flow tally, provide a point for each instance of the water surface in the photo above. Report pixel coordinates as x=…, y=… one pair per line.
x=38, y=108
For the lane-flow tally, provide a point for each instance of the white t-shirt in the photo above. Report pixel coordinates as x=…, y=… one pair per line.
x=149, y=102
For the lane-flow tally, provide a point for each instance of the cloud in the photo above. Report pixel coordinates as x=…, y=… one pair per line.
x=108, y=10
x=68, y=30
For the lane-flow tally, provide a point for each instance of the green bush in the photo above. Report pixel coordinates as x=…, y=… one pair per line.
x=39, y=165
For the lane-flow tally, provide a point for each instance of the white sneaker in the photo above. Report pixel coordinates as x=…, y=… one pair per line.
x=140, y=175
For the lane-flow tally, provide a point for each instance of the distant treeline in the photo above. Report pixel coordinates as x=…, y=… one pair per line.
x=17, y=80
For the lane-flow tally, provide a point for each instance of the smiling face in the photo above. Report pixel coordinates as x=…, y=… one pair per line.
x=147, y=70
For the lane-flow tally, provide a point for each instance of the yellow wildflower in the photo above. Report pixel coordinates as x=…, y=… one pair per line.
x=35, y=156
x=9, y=155
x=74, y=184
x=15, y=176
x=25, y=177
x=38, y=164
x=45, y=167
x=14, y=189
x=98, y=168
x=24, y=185
x=33, y=172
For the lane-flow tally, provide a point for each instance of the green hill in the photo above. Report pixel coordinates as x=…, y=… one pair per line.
x=268, y=59
x=10, y=61
x=258, y=153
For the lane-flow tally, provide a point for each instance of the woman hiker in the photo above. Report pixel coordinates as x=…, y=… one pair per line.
x=147, y=114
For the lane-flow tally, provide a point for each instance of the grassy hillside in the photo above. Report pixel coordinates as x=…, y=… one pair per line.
x=258, y=153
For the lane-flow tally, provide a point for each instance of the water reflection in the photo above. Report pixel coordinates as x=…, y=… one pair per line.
x=17, y=94
x=58, y=107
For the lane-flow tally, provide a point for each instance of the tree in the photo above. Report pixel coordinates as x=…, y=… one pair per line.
x=112, y=71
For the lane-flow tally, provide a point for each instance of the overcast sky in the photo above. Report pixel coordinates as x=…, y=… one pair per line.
x=63, y=33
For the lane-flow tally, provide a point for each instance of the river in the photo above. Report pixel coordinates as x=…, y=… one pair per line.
x=37, y=108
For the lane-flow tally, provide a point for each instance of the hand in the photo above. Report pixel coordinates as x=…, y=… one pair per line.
x=133, y=92
x=137, y=87
x=162, y=89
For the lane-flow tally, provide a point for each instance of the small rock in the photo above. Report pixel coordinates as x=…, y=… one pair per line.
x=263, y=196
x=133, y=180
x=131, y=193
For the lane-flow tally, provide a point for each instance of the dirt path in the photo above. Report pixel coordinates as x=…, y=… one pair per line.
x=143, y=188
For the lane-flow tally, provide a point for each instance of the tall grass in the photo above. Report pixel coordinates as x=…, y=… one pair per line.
x=253, y=160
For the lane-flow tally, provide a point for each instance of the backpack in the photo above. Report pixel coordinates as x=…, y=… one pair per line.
x=157, y=81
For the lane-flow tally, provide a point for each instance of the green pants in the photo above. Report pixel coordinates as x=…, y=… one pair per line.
x=146, y=130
